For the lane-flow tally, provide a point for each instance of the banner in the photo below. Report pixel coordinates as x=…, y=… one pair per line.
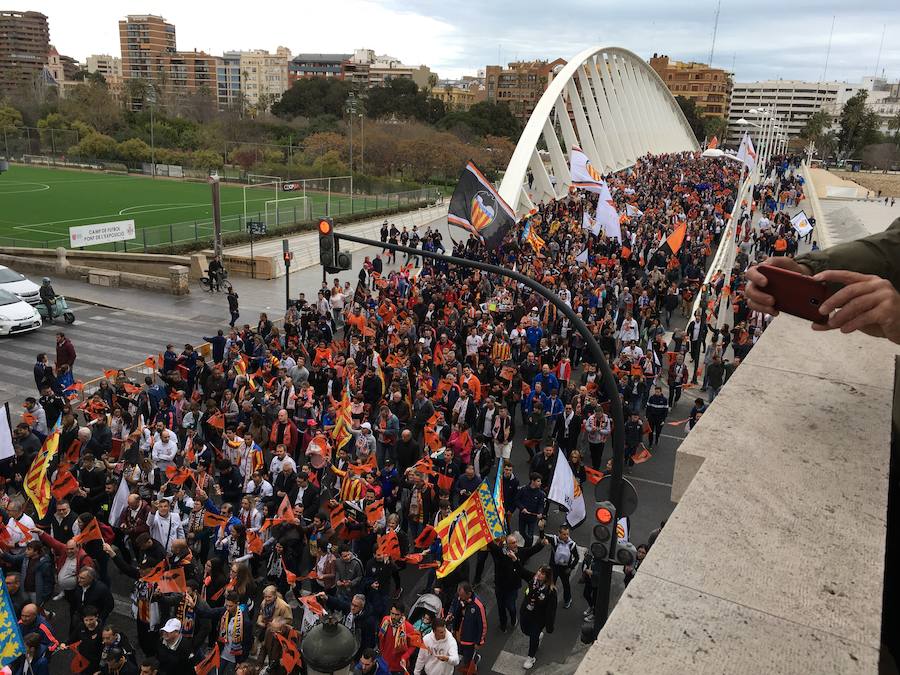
x=468, y=529
x=11, y=644
x=801, y=223
x=477, y=207
x=746, y=152
x=101, y=233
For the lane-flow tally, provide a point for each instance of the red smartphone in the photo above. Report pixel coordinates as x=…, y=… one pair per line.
x=795, y=293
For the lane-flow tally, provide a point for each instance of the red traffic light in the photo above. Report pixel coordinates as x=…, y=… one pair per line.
x=604, y=515
x=325, y=227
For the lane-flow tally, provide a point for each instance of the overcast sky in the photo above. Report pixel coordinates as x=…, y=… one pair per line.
x=761, y=39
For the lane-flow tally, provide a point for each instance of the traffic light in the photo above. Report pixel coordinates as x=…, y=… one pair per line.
x=604, y=532
x=626, y=553
x=330, y=255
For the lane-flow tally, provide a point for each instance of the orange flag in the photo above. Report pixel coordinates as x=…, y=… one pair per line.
x=414, y=639
x=90, y=532
x=426, y=537
x=110, y=373
x=375, y=511
x=641, y=456
x=131, y=388
x=217, y=421
x=286, y=511
x=79, y=663
x=177, y=475
x=211, y=519
x=172, y=581
x=312, y=604
x=444, y=482
x=338, y=517
x=269, y=522
x=77, y=385
x=432, y=440
x=209, y=662
x=290, y=576
x=150, y=362
x=290, y=655
x=156, y=573
x=368, y=466
x=64, y=485
x=413, y=558
x=389, y=545
x=593, y=475
x=254, y=543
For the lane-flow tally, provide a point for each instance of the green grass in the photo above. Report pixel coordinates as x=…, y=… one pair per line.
x=39, y=204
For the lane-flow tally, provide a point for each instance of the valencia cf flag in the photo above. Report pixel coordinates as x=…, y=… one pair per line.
x=673, y=242
x=478, y=207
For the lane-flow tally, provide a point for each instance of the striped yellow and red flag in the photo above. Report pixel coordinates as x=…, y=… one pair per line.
x=468, y=529
x=37, y=483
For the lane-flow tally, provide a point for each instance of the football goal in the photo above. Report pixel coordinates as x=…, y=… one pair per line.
x=36, y=159
x=287, y=211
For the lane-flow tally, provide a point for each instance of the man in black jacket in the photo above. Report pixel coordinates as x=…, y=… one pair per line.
x=94, y=593
x=696, y=335
x=509, y=560
x=634, y=434
x=175, y=653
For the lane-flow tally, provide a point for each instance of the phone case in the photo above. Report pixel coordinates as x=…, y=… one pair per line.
x=796, y=294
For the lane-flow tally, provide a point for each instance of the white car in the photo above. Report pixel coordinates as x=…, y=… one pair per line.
x=20, y=285
x=16, y=316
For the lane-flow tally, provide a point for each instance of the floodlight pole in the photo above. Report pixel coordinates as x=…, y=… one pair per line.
x=217, y=215
x=608, y=381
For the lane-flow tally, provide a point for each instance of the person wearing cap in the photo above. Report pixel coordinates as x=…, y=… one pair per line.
x=175, y=654
x=366, y=444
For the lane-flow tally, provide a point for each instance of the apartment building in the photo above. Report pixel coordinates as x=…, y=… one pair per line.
x=264, y=76
x=520, y=85
x=709, y=88
x=24, y=46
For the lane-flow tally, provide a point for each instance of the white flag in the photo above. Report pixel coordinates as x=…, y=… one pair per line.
x=622, y=529
x=566, y=491
x=632, y=211
x=6, y=439
x=746, y=152
x=584, y=175
x=120, y=501
x=801, y=223
x=590, y=223
x=582, y=257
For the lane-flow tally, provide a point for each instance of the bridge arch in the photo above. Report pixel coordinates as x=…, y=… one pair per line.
x=609, y=102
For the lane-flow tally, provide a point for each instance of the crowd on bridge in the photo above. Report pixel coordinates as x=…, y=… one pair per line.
x=301, y=467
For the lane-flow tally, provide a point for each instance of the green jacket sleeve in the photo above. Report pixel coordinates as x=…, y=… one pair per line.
x=877, y=254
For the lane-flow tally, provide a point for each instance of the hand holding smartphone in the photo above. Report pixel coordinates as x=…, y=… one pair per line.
x=796, y=294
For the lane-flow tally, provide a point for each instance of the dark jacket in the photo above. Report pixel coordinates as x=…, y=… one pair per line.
x=469, y=621
x=44, y=573
x=96, y=595
x=538, y=610
x=508, y=571
x=178, y=661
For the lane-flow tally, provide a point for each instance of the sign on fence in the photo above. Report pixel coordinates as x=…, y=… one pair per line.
x=101, y=233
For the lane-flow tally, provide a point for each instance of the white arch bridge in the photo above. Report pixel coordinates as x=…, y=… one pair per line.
x=607, y=101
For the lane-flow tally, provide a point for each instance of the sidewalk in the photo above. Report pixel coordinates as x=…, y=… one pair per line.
x=305, y=246
x=256, y=295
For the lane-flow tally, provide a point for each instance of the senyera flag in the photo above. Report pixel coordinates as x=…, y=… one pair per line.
x=477, y=206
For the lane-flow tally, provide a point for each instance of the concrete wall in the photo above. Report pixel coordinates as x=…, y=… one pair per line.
x=773, y=560
x=173, y=278
x=149, y=264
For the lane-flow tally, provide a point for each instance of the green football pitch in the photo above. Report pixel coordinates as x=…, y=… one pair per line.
x=39, y=204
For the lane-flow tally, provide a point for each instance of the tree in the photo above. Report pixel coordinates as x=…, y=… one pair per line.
x=134, y=150
x=816, y=128
x=320, y=144
x=96, y=146
x=9, y=117
x=330, y=164
x=858, y=125
x=313, y=97
x=893, y=124
x=689, y=108
x=207, y=159
x=482, y=119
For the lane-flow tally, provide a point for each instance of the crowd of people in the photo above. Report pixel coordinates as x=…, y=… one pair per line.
x=225, y=487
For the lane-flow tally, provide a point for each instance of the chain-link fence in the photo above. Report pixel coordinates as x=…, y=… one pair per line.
x=291, y=214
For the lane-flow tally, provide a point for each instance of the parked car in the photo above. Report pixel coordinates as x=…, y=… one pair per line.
x=20, y=285
x=16, y=315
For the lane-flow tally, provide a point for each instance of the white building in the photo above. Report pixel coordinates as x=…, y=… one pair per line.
x=108, y=66
x=382, y=68
x=228, y=81
x=882, y=97
x=263, y=76
x=794, y=101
